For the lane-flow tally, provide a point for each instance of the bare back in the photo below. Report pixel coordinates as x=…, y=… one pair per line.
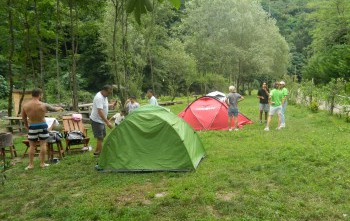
x=35, y=110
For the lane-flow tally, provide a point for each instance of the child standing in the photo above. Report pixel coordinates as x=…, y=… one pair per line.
x=232, y=100
x=118, y=117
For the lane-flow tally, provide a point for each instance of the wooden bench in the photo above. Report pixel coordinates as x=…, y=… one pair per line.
x=12, y=128
x=14, y=123
x=50, y=149
x=167, y=103
x=85, y=115
x=85, y=107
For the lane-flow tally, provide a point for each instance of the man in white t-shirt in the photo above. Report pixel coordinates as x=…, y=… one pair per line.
x=152, y=99
x=98, y=116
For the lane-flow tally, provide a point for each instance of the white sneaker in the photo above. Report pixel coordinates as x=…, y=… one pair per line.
x=236, y=129
x=279, y=128
x=266, y=129
x=282, y=125
x=230, y=129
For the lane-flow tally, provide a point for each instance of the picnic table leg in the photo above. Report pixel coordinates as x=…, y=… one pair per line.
x=13, y=151
x=25, y=142
x=49, y=152
x=10, y=126
x=20, y=126
x=60, y=149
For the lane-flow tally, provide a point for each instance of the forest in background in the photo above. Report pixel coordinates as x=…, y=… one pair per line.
x=70, y=48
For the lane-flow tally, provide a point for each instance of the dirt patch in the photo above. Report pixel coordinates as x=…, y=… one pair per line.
x=77, y=195
x=212, y=211
x=160, y=195
x=225, y=196
x=141, y=194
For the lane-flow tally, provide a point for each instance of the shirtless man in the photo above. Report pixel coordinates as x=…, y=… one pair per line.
x=35, y=110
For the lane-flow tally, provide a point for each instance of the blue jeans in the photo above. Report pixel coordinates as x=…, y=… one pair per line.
x=284, y=107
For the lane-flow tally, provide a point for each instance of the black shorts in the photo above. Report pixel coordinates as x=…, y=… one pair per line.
x=98, y=129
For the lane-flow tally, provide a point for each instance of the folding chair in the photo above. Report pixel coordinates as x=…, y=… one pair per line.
x=70, y=125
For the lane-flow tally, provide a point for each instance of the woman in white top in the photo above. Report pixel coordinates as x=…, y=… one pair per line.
x=131, y=104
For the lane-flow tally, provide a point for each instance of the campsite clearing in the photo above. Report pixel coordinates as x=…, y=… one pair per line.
x=298, y=173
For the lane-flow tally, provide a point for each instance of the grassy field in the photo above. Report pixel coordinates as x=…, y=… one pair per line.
x=298, y=173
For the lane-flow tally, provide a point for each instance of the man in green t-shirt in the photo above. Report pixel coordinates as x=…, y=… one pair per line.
x=275, y=101
x=284, y=91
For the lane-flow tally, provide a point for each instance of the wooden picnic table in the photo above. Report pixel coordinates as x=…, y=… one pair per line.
x=167, y=103
x=85, y=107
x=14, y=123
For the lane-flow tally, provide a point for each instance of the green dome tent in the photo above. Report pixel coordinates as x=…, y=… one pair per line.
x=151, y=138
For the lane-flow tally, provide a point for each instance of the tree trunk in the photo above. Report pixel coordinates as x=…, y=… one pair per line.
x=73, y=77
x=10, y=55
x=114, y=44
x=21, y=100
x=58, y=71
x=149, y=53
x=28, y=58
x=331, y=109
x=151, y=69
x=238, y=76
x=40, y=45
x=64, y=39
x=125, y=49
x=250, y=88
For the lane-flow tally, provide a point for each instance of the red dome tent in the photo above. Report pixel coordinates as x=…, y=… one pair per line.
x=208, y=113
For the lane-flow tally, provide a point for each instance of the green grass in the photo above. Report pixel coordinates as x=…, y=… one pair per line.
x=299, y=173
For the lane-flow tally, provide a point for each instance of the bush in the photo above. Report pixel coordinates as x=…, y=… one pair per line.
x=85, y=97
x=3, y=104
x=4, y=88
x=313, y=106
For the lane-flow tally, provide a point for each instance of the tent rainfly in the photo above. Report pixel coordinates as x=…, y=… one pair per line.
x=209, y=113
x=151, y=138
x=218, y=95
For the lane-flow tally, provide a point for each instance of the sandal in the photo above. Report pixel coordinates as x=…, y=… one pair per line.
x=45, y=165
x=28, y=168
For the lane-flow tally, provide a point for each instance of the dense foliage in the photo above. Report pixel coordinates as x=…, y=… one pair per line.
x=317, y=32
x=330, y=48
x=236, y=39
x=70, y=48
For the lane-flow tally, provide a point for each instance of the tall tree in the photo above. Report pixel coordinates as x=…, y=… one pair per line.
x=291, y=18
x=40, y=47
x=117, y=10
x=330, y=49
x=10, y=8
x=57, y=50
x=236, y=39
x=74, y=47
